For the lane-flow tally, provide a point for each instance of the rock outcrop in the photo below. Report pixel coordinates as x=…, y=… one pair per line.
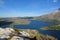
x=22, y=34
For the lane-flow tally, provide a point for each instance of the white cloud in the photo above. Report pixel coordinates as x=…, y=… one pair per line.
x=1, y=3
x=55, y=0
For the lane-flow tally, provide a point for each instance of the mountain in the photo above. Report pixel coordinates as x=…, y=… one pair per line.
x=51, y=16
x=55, y=15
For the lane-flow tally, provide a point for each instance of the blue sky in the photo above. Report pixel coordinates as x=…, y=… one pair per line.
x=21, y=8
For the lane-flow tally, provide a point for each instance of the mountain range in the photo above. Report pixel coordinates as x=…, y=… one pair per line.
x=55, y=15
x=51, y=16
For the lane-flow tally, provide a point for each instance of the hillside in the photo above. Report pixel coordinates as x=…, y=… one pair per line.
x=51, y=16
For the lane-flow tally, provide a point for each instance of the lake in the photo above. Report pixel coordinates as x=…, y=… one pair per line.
x=37, y=25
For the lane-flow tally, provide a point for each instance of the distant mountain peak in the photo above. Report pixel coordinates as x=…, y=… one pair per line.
x=52, y=16
x=59, y=9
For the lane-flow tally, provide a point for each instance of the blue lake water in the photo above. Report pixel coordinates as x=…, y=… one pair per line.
x=34, y=25
x=37, y=25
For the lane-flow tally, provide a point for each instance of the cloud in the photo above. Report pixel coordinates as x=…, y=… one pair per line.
x=55, y=0
x=1, y=3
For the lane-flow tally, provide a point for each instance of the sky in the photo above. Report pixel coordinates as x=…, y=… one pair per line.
x=22, y=8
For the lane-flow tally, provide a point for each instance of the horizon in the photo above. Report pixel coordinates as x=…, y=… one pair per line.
x=27, y=8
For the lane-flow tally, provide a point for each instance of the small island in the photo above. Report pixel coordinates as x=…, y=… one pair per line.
x=21, y=21
x=55, y=27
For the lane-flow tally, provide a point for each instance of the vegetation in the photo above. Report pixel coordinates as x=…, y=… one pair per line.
x=54, y=27
x=4, y=22
x=21, y=21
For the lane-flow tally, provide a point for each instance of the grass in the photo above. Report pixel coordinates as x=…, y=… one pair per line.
x=21, y=21
x=54, y=27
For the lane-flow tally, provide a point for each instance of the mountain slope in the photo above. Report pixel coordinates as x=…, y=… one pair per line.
x=52, y=16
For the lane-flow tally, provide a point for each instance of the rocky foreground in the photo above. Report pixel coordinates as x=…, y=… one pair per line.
x=22, y=34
